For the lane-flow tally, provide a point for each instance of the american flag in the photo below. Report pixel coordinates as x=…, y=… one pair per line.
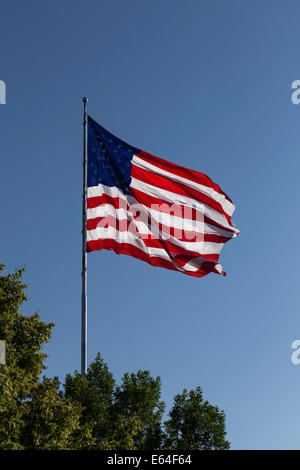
x=146, y=207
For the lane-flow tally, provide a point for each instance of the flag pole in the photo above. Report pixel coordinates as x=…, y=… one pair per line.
x=84, y=254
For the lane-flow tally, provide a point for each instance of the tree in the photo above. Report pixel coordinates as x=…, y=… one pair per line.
x=52, y=422
x=139, y=396
x=129, y=416
x=113, y=413
x=123, y=435
x=195, y=424
x=94, y=393
x=91, y=411
x=33, y=414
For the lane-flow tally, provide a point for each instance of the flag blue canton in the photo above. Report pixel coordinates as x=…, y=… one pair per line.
x=109, y=158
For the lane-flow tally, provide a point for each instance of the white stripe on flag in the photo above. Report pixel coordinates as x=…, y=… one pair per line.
x=227, y=206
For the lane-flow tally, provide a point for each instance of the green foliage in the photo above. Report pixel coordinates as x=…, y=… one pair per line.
x=121, y=417
x=195, y=424
x=94, y=393
x=92, y=411
x=123, y=435
x=139, y=396
x=33, y=414
x=24, y=336
x=52, y=422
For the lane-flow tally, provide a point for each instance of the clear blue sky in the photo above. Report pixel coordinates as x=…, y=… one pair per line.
x=205, y=84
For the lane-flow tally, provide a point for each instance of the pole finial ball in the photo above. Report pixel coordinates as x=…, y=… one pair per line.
x=84, y=99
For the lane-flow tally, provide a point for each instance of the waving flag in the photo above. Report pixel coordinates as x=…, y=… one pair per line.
x=143, y=206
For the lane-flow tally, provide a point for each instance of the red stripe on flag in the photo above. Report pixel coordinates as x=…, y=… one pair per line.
x=127, y=249
x=163, y=182
x=117, y=202
x=151, y=201
x=191, y=175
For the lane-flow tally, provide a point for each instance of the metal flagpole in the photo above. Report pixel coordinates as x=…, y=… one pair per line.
x=84, y=254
